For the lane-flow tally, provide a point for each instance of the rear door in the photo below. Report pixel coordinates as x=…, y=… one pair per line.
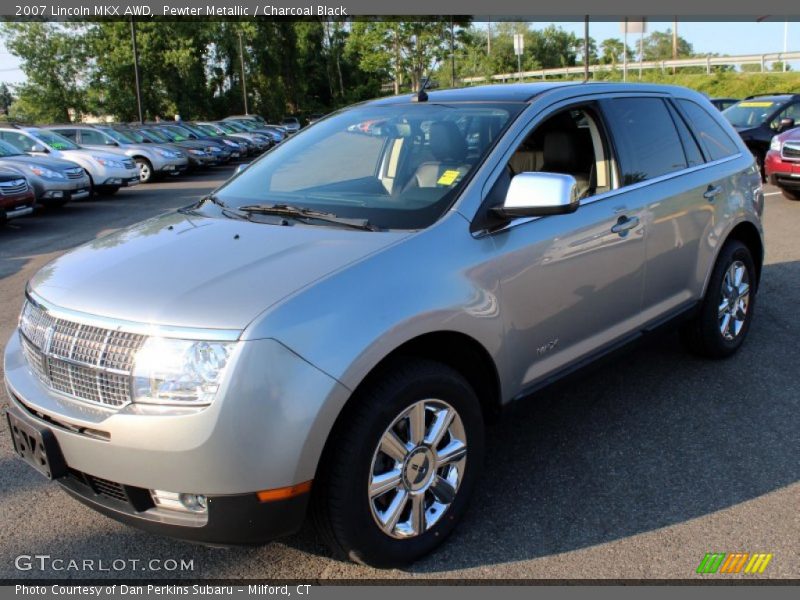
x=661, y=168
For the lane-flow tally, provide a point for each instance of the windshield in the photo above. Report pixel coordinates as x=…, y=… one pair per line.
x=750, y=113
x=119, y=137
x=54, y=140
x=227, y=128
x=154, y=135
x=208, y=129
x=191, y=129
x=398, y=166
x=171, y=134
x=8, y=150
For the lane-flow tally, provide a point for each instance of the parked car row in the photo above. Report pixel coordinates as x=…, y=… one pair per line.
x=765, y=123
x=51, y=165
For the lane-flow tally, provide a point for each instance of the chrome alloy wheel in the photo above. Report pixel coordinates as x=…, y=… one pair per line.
x=144, y=172
x=735, y=300
x=417, y=469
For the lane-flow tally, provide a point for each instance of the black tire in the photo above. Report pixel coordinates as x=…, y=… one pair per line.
x=341, y=508
x=53, y=204
x=146, y=174
x=703, y=334
x=791, y=194
x=107, y=190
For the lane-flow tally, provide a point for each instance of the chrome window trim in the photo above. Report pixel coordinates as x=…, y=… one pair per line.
x=621, y=190
x=148, y=329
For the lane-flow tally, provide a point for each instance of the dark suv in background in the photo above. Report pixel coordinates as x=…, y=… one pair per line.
x=758, y=118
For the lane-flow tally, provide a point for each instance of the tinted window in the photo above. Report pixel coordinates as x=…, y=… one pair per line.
x=93, y=138
x=646, y=141
x=690, y=145
x=717, y=142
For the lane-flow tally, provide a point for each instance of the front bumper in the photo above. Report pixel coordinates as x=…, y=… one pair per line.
x=61, y=191
x=264, y=431
x=16, y=212
x=228, y=519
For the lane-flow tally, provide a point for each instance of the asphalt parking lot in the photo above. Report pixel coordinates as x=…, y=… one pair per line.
x=635, y=470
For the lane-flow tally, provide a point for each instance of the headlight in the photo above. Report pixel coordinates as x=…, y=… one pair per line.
x=230, y=143
x=179, y=372
x=196, y=152
x=166, y=153
x=108, y=162
x=775, y=144
x=214, y=149
x=46, y=173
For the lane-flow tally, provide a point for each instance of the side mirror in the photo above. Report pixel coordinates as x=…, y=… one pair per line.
x=38, y=148
x=111, y=143
x=785, y=124
x=539, y=194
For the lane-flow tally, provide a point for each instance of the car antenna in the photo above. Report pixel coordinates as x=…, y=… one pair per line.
x=421, y=95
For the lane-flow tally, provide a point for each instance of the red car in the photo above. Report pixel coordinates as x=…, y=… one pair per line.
x=16, y=196
x=782, y=164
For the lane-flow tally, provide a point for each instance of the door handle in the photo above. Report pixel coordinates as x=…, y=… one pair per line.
x=624, y=225
x=712, y=192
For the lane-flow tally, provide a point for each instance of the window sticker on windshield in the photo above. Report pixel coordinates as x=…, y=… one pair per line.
x=59, y=146
x=448, y=177
x=756, y=104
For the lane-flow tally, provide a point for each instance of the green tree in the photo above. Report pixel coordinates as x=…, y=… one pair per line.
x=612, y=52
x=53, y=57
x=658, y=46
x=6, y=98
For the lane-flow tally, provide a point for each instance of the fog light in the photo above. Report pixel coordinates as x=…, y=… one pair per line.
x=192, y=503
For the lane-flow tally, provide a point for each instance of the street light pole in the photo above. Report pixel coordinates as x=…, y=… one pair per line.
x=136, y=71
x=244, y=81
x=785, y=42
x=452, y=53
x=586, y=49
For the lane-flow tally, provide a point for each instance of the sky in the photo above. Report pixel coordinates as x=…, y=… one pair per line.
x=720, y=37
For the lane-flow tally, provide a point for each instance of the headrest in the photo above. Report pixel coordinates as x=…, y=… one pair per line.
x=446, y=142
x=560, y=150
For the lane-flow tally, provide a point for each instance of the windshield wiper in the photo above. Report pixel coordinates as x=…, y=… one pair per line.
x=296, y=212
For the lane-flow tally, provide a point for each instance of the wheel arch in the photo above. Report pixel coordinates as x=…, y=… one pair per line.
x=748, y=234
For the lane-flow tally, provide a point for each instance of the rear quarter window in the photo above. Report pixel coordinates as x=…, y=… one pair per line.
x=716, y=141
x=645, y=138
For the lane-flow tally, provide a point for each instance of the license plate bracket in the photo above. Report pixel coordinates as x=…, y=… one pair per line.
x=37, y=446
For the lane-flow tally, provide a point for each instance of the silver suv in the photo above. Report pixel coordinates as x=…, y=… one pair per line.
x=327, y=331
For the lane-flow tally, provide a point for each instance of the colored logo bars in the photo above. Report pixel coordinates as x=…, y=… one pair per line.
x=720, y=562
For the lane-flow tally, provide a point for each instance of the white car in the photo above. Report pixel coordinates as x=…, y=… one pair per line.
x=108, y=170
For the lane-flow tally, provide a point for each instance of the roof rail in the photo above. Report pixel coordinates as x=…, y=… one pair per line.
x=772, y=94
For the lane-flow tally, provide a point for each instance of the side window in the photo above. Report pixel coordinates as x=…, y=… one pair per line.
x=92, y=138
x=645, y=137
x=19, y=141
x=790, y=112
x=715, y=139
x=70, y=134
x=569, y=142
x=691, y=148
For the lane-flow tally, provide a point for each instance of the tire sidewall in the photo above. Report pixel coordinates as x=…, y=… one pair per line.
x=369, y=544
x=732, y=251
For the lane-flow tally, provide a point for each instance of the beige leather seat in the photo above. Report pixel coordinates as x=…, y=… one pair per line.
x=449, y=150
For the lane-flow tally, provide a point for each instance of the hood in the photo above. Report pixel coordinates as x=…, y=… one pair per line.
x=190, y=271
x=88, y=153
x=54, y=164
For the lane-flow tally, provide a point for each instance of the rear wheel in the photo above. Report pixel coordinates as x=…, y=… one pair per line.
x=721, y=325
x=145, y=169
x=791, y=194
x=401, y=465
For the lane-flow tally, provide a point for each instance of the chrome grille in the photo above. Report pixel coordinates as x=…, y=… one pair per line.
x=791, y=151
x=129, y=164
x=74, y=173
x=13, y=187
x=84, y=361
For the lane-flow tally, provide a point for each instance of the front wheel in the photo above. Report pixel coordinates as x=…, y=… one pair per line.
x=791, y=194
x=107, y=190
x=145, y=170
x=721, y=325
x=402, y=463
